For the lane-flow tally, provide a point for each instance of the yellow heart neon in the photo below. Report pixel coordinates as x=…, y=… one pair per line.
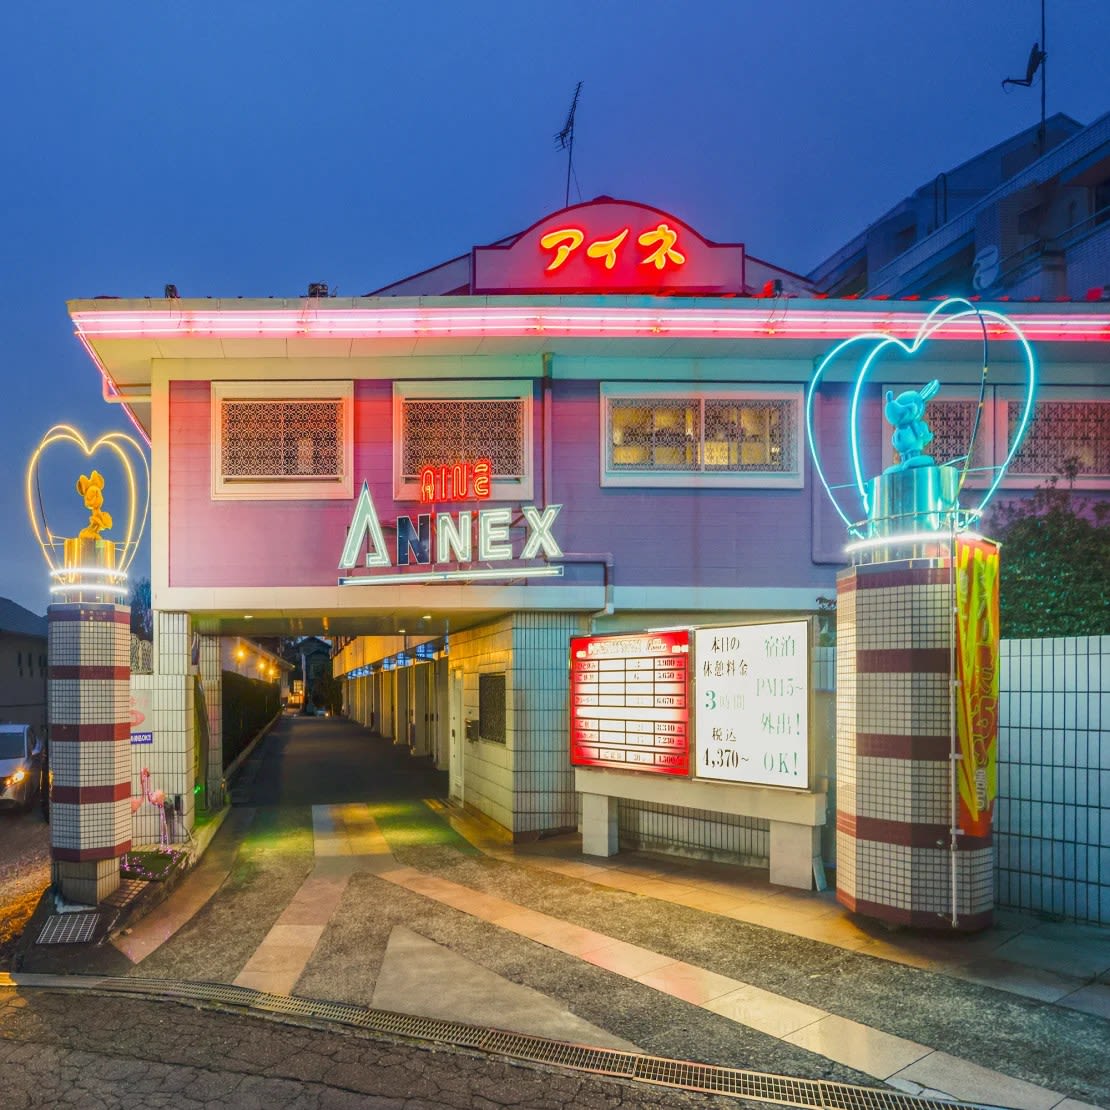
x=126, y=449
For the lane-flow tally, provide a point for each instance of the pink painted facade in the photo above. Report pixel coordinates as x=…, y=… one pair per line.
x=689, y=536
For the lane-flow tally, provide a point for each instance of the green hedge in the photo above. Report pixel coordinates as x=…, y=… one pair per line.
x=249, y=705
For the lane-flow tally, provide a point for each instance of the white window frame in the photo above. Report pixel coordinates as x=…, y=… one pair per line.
x=994, y=429
x=296, y=488
x=1005, y=394
x=501, y=489
x=794, y=478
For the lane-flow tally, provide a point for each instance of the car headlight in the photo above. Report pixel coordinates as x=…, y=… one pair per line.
x=15, y=778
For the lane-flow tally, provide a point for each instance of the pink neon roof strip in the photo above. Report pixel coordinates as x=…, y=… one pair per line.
x=615, y=322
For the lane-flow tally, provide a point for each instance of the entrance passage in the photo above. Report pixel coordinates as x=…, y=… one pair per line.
x=329, y=760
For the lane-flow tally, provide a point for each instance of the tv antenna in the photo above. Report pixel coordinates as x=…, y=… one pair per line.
x=564, y=140
x=1036, y=61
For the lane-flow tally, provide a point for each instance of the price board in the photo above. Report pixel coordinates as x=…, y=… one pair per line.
x=629, y=702
x=751, y=698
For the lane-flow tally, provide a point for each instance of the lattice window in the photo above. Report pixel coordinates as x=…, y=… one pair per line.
x=273, y=440
x=736, y=437
x=491, y=707
x=752, y=436
x=1060, y=432
x=951, y=422
x=653, y=435
x=442, y=432
x=443, y=423
x=282, y=442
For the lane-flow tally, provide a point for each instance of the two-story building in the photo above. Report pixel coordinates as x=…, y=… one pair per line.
x=597, y=424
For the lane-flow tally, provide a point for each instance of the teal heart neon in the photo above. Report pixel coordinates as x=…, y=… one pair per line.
x=929, y=326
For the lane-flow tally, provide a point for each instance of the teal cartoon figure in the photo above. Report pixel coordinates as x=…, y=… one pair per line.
x=911, y=434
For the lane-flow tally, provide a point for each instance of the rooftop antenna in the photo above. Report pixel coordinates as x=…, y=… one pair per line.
x=564, y=140
x=1037, y=58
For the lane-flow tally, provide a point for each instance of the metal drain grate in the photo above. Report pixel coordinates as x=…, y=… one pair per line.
x=69, y=928
x=780, y=1090
x=541, y=1050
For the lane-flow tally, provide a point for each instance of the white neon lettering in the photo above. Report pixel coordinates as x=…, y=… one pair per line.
x=540, y=524
x=493, y=535
x=453, y=540
x=365, y=523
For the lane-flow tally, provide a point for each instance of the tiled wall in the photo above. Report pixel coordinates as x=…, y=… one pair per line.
x=211, y=679
x=488, y=770
x=543, y=781
x=525, y=784
x=170, y=758
x=1052, y=816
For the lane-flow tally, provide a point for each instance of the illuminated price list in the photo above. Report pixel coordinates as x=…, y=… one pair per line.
x=629, y=702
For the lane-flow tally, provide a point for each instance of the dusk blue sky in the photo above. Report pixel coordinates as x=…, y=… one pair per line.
x=250, y=148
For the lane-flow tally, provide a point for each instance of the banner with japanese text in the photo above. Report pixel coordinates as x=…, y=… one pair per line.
x=977, y=628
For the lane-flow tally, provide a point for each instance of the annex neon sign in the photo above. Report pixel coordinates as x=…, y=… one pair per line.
x=434, y=539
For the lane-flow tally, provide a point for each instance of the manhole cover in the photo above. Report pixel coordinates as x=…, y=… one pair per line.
x=69, y=928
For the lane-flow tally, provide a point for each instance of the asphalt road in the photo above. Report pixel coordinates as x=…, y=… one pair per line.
x=83, y=1050
x=24, y=872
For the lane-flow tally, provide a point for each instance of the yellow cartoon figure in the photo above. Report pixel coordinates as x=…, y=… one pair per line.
x=91, y=488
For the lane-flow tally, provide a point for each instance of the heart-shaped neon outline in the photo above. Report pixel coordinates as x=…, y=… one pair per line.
x=114, y=441
x=932, y=323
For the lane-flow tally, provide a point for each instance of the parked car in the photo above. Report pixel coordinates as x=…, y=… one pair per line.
x=22, y=758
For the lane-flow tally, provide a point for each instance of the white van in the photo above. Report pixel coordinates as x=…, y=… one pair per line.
x=21, y=762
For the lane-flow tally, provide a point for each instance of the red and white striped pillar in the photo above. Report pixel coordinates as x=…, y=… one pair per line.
x=90, y=752
x=902, y=856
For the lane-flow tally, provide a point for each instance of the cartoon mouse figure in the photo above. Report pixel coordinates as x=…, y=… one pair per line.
x=911, y=433
x=91, y=488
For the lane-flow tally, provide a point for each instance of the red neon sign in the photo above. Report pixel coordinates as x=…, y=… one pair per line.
x=609, y=246
x=629, y=698
x=461, y=481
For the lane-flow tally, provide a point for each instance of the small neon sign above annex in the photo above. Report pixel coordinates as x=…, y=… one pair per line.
x=609, y=246
x=450, y=541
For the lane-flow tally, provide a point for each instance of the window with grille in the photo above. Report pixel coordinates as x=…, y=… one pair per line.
x=727, y=436
x=441, y=425
x=294, y=444
x=952, y=421
x=1062, y=434
x=1065, y=430
x=491, y=707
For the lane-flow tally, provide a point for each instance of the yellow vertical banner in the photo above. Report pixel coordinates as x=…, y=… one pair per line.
x=977, y=636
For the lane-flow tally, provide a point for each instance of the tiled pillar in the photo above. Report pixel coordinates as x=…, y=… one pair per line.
x=90, y=752
x=895, y=786
x=211, y=677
